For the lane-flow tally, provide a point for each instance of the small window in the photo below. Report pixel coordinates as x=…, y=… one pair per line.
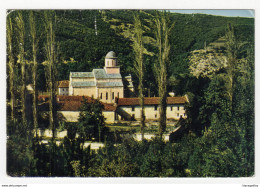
x=178, y=108
x=133, y=108
x=106, y=96
x=113, y=96
x=178, y=114
x=155, y=107
x=101, y=96
x=117, y=94
x=155, y=115
x=133, y=117
x=171, y=108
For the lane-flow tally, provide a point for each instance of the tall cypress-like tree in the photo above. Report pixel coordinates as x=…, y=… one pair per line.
x=162, y=32
x=139, y=65
x=51, y=73
x=233, y=47
x=34, y=43
x=11, y=65
x=51, y=70
x=21, y=42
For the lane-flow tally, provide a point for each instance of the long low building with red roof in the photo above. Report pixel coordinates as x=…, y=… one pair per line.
x=124, y=109
x=129, y=108
x=69, y=107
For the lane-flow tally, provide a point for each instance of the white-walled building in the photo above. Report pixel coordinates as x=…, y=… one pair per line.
x=63, y=87
x=129, y=108
x=68, y=107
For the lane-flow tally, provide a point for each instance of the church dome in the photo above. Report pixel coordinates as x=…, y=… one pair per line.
x=111, y=54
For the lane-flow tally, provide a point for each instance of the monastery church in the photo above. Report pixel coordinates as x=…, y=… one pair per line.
x=104, y=84
x=114, y=92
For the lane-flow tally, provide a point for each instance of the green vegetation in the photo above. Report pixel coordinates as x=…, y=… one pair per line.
x=217, y=138
x=91, y=120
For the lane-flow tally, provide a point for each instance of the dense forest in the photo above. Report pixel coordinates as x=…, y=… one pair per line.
x=218, y=135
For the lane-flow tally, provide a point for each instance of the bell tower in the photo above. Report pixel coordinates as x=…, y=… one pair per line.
x=111, y=66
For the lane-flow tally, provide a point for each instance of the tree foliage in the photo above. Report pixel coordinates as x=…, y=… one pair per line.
x=51, y=66
x=91, y=120
x=162, y=33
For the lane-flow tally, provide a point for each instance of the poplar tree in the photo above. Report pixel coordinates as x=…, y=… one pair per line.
x=11, y=65
x=51, y=71
x=162, y=32
x=139, y=65
x=34, y=43
x=233, y=47
x=21, y=39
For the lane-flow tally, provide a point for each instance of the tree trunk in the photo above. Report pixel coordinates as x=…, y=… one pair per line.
x=11, y=67
x=21, y=36
x=35, y=65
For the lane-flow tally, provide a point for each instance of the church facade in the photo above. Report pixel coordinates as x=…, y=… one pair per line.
x=104, y=84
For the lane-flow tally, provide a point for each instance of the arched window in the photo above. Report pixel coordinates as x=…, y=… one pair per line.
x=101, y=96
x=106, y=96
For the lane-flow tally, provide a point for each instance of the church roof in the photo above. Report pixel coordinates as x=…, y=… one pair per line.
x=81, y=74
x=97, y=73
x=83, y=84
x=111, y=54
x=110, y=84
x=101, y=74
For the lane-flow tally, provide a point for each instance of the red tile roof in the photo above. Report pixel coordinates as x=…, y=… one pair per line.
x=69, y=105
x=151, y=101
x=63, y=84
x=64, y=98
x=74, y=98
x=109, y=107
x=73, y=103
